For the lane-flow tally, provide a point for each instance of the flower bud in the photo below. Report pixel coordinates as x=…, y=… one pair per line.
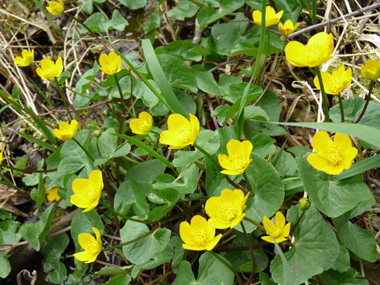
x=304, y=204
x=97, y=133
x=106, y=112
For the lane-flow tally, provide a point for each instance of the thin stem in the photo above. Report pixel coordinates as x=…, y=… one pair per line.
x=341, y=108
x=132, y=241
x=255, y=223
x=367, y=101
x=252, y=255
x=298, y=221
x=125, y=217
x=248, y=183
x=228, y=266
x=89, y=155
x=63, y=98
x=324, y=96
x=110, y=201
x=237, y=186
x=184, y=213
x=28, y=170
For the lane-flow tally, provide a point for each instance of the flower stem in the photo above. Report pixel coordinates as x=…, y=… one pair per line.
x=298, y=221
x=134, y=240
x=341, y=108
x=255, y=223
x=227, y=265
x=248, y=183
x=184, y=213
x=63, y=98
x=324, y=96
x=367, y=101
x=237, y=186
x=125, y=217
x=252, y=255
x=89, y=155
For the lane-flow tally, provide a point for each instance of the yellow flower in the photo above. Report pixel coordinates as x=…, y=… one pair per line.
x=87, y=191
x=142, y=125
x=279, y=231
x=49, y=70
x=317, y=51
x=55, y=8
x=181, y=132
x=226, y=211
x=238, y=158
x=1, y=154
x=110, y=64
x=336, y=82
x=199, y=235
x=288, y=28
x=371, y=70
x=271, y=18
x=52, y=195
x=91, y=246
x=332, y=157
x=26, y=59
x=66, y=131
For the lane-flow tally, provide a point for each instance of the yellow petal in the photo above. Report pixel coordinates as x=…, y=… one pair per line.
x=246, y=149
x=233, y=148
x=84, y=255
x=176, y=121
x=268, y=239
x=286, y=231
x=256, y=16
x=232, y=172
x=58, y=133
x=193, y=247
x=104, y=60
x=322, y=142
x=212, y=243
x=219, y=223
x=96, y=179
x=333, y=169
x=81, y=186
x=280, y=239
x=47, y=64
x=296, y=54
x=225, y=162
x=212, y=207
x=92, y=258
x=74, y=127
x=86, y=240
x=236, y=221
x=199, y=223
x=280, y=220
x=268, y=224
x=186, y=232
x=342, y=141
x=194, y=122
x=228, y=196
x=317, y=161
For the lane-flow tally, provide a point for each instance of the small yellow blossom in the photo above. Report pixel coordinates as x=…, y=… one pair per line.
x=199, y=235
x=66, y=131
x=1, y=154
x=52, y=195
x=26, y=59
x=336, y=82
x=56, y=8
x=371, y=70
x=87, y=192
x=110, y=64
x=91, y=246
x=271, y=18
x=142, y=125
x=238, y=158
x=181, y=132
x=279, y=231
x=332, y=156
x=287, y=28
x=226, y=211
x=317, y=51
x=49, y=70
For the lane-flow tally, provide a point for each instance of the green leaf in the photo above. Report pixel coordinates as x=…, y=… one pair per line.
x=184, y=9
x=304, y=260
x=143, y=250
x=178, y=255
x=265, y=280
x=41, y=192
x=152, y=23
x=36, y=233
x=62, y=78
x=350, y=277
x=177, y=73
x=83, y=223
x=291, y=10
x=186, y=101
x=169, y=197
x=206, y=139
x=298, y=151
x=98, y=22
x=332, y=198
x=133, y=4
x=342, y=263
x=211, y=271
x=83, y=85
x=360, y=241
x=20, y=163
x=207, y=15
x=5, y=266
x=113, y=271
x=167, y=95
x=130, y=195
x=52, y=250
x=268, y=189
x=123, y=279
x=286, y=165
x=205, y=80
x=263, y=145
x=15, y=93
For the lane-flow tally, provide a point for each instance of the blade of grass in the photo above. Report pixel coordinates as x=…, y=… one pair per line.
x=44, y=12
x=37, y=141
x=161, y=80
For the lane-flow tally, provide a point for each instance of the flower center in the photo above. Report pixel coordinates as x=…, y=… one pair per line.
x=333, y=156
x=227, y=212
x=112, y=67
x=143, y=125
x=91, y=194
x=238, y=162
x=276, y=231
x=93, y=247
x=199, y=237
x=183, y=134
x=336, y=85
